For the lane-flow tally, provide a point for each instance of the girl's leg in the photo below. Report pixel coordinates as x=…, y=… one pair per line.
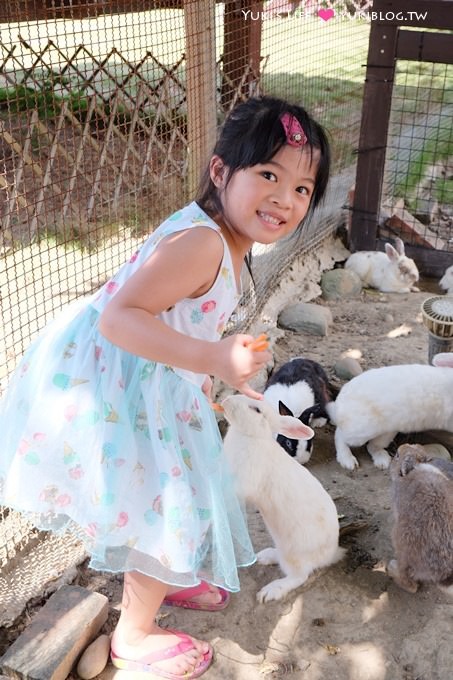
x=137, y=633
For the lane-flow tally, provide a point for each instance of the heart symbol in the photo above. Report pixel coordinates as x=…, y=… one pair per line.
x=326, y=14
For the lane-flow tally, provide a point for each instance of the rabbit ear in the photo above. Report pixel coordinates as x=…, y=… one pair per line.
x=293, y=428
x=284, y=410
x=391, y=253
x=399, y=245
x=443, y=359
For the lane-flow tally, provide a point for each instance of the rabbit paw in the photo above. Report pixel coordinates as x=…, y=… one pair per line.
x=392, y=568
x=401, y=579
x=349, y=462
x=267, y=556
x=278, y=589
x=381, y=460
x=273, y=591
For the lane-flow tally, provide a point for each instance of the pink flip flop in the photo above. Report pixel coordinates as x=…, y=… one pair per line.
x=146, y=663
x=183, y=598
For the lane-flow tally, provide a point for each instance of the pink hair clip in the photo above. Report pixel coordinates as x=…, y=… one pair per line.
x=295, y=135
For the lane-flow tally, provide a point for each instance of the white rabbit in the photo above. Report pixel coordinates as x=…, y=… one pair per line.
x=422, y=535
x=446, y=282
x=389, y=272
x=298, y=512
x=377, y=404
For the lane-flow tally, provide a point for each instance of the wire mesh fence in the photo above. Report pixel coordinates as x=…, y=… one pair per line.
x=419, y=166
x=315, y=56
x=94, y=137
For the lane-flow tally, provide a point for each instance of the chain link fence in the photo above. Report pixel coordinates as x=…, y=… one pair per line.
x=96, y=119
x=419, y=167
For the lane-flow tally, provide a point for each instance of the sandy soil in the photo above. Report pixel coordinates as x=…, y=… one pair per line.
x=350, y=621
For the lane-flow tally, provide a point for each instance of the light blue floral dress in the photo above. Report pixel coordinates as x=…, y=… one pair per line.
x=122, y=450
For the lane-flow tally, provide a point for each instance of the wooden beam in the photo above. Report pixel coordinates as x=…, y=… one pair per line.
x=377, y=100
x=424, y=46
x=199, y=18
x=241, y=48
x=32, y=10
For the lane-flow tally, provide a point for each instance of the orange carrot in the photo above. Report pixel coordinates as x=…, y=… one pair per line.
x=260, y=344
x=217, y=407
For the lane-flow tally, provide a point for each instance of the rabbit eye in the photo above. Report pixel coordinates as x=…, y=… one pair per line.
x=255, y=408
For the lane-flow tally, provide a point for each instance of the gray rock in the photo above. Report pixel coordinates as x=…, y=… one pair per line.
x=306, y=318
x=340, y=283
x=94, y=659
x=347, y=367
x=437, y=450
x=436, y=436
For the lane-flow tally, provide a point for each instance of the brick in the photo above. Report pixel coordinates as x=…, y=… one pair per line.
x=48, y=648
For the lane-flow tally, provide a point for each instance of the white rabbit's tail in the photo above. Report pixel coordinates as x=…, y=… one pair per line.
x=331, y=411
x=339, y=555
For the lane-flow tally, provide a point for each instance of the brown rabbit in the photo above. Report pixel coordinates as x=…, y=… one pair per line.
x=422, y=490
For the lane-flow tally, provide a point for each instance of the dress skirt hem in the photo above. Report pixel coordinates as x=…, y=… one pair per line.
x=124, y=452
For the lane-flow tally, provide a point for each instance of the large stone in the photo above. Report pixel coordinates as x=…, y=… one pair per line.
x=48, y=648
x=437, y=451
x=304, y=317
x=436, y=437
x=94, y=658
x=340, y=283
x=347, y=368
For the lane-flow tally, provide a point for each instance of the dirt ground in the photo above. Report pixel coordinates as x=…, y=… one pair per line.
x=350, y=621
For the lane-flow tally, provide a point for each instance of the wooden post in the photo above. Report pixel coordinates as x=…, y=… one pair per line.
x=377, y=99
x=199, y=17
x=241, y=49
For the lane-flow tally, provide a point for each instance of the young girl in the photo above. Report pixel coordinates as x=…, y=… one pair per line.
x=107, y=428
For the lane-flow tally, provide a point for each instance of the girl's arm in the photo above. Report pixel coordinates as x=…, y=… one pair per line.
x=185, y=265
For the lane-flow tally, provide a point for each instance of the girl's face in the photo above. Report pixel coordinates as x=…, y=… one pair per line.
x=266, y=202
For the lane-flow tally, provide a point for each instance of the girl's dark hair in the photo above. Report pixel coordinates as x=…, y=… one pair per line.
x=251, y=134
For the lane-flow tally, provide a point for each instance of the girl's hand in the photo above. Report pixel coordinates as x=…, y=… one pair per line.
x=206, y=388
x=237, y=362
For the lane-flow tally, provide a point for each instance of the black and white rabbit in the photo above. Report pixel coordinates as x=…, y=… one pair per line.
x=389, y=272
x=298, y=512
x=377, y=404
x=300, y=388
x=422, y=536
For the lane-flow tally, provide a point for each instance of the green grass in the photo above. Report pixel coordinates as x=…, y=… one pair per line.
x=437, y=148
x=44, y=99
x=443, y=191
